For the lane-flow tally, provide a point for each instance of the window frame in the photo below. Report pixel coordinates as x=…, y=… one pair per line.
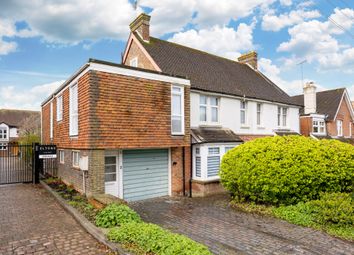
x=181, y=94
x=61, y=156
x=339, y=131
x=281, y=115
x=73, y=158
x=244, y=110
x=208, y=110
x=59, y=108
x=3, y=146
x=319, y=126
x=51, y=121
x=259, y=113
x=4, y=133
x=72, y=114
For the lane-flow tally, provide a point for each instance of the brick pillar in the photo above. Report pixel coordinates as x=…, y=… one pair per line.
x=177, y=170
x=96, y=172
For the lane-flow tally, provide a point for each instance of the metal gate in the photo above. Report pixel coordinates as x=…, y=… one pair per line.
x=16, y=163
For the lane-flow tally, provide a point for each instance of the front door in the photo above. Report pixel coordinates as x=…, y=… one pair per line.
x=111, y=175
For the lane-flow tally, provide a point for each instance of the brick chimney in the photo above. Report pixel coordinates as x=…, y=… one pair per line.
x=249, y=58
x=141, y=25
x=310, y=97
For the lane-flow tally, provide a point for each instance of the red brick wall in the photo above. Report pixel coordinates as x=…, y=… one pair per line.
x=306, y=125
x=117, y=111
x=177, y=169
x=143, y=61
x=344, y=115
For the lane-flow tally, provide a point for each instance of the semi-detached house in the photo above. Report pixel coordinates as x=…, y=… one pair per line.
x=160, y=123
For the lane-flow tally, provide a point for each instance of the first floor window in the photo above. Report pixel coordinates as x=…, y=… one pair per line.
x=213, y=161
x=110, y=168
x=74, y=111
x=76, y=158
x=51, y=119
x=208, y=109
x=3, y=133
x=339, y=127
x=177, y=110
x=243, y=112
x=61, y=156
x=59, y=108
x=3, y=146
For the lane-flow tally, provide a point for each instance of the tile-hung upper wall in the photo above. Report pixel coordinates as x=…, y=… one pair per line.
x=118, y=111
x=230, y=116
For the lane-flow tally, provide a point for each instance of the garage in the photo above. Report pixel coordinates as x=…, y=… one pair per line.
x=145, y=174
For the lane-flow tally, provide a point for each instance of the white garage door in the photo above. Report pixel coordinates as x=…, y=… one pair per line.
x=145, y=174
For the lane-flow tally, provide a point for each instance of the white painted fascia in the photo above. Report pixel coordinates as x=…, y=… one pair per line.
x=118, y=70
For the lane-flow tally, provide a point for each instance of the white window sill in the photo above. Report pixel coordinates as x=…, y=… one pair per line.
x=260, y=127
x=202, y=180
x=177, y=134
x=210, y=125
x=245, y=127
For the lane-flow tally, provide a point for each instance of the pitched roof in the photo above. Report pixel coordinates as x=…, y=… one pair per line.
x=342, y=139
x=214, y=135
x=327, y=101
x=211, y=73
x=15, y=117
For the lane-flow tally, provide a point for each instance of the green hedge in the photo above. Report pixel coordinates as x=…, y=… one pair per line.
x=115, y=215
x=287, y=170
x=154, y=239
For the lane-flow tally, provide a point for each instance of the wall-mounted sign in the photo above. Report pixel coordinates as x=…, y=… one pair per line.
x=46, y=151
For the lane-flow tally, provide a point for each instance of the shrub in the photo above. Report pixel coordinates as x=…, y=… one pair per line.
x=287, y=170
x=336, y=208
x=114, y=215
x=152, y=238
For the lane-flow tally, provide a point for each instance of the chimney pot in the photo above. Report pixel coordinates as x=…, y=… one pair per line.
x=250, y=58
x=141, y=25
x=310, y=98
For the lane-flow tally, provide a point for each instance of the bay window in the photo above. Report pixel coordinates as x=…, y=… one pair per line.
x=177, y=116
x=208, y=109
x=207, y=159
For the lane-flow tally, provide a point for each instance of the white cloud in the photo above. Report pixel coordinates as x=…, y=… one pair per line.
x=222, y=41
x=351, y=92
x=316, y=42
x=70, y=22
x=286, y=2
x=12, y=97
x=7, y=47
x=275, y=23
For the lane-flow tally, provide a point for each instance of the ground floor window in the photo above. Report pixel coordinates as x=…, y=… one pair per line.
x=61, y=156
x=76, y=158
x=3, y=146
x=207, y=159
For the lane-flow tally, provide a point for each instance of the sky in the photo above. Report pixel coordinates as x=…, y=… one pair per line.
x=43, y=42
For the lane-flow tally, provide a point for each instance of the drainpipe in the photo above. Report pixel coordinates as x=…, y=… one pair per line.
x=183, y=171
x=191, y=171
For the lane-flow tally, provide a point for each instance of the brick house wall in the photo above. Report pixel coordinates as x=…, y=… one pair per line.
x=117, y=112
x=343, y=115
x=143, y=62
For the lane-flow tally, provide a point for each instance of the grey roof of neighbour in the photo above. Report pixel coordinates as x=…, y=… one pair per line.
x=342, y=139
x=15, y=117
x=327, y=101
x=212, y=73
x=214, y=135
x=285, y=132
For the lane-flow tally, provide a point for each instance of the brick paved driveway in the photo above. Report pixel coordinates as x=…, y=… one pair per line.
x=32, y=222
x=226, y=231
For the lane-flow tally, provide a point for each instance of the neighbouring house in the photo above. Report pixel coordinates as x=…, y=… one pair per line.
x=230, y=101
x=11, y=124
x=121, y=130
x=326, y=114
